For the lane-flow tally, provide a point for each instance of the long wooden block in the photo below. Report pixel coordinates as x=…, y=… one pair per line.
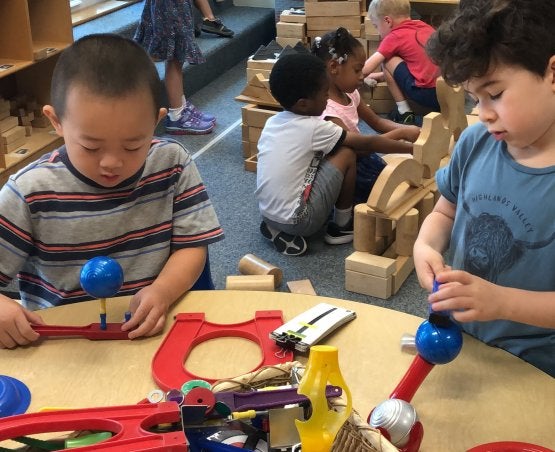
x=13, y=134
x=330, y=22
x=370, y=264
x=261, y=64
x=292, y=42
x=319, y=32
x=286, y=16
x=8, y=123
x=374, y=286
x=255, y=116
x=250, y=282
x=13, y=145
x=291, y=30
x=332, y=9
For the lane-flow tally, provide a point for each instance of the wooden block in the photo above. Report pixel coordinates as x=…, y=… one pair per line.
x=258, y=89
x=250, y=282
x=381, y=92
x=405, y=265
x=375, y=286
x=260, y=64
x=370, y=32
x=250, y=264
x=254, y=134
x=39, y=54
x=326, y=23
x=451, y=100
x=425, y=207
x=364, y=224
x=246, y=148
x=432, y=143
x=284, y=42
x=8, y=123
x=13, y=134
x=406, y=233
x=255, y=116
x=332, y=9
x=244, y=113
x=291, y=30
x=28, y=131
x=286, y=16
x=244, y=132
x=301, y=286
x=370, y=264
x=400, y=170
x=251, y=162
x=13, y=145
x=252, y=72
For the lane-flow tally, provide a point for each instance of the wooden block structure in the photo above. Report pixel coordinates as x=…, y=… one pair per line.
x=386, y=227
x=291, y=22
x=261, y=105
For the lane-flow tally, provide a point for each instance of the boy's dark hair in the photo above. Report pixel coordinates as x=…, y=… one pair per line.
x=484, y=33
x=335, y=44
x=107, y=65
x=296, y=76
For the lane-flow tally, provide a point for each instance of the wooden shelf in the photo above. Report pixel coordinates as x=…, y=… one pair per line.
x=42, y=140
x=32, y=35
x=98, y=10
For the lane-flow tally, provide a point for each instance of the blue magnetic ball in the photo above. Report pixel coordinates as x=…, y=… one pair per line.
x=438, y=344
x=101, y=277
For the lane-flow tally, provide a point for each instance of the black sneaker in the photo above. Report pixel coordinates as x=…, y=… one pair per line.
x=216, y=27
x=408, y=118
x=290, y=245
x=336, y=235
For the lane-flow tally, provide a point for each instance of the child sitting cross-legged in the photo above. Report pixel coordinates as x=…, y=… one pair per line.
x=306, y=165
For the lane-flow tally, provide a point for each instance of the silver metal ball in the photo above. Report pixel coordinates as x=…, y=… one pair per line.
x=397, y=417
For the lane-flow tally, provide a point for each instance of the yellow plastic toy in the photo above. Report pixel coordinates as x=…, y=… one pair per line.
x=320, y=430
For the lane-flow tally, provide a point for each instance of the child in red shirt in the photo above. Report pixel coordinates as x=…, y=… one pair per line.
x=407, y=70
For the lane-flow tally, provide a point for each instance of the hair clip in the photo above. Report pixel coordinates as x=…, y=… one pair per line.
x=317, y=41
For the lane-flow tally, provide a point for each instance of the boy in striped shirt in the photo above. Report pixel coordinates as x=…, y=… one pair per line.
x=110, y=190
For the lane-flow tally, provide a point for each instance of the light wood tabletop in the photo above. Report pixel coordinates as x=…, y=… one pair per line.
x=484, y=395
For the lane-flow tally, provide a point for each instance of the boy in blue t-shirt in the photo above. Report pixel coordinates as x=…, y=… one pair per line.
x=496, y=210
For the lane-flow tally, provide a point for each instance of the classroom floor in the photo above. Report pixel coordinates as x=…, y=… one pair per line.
x=220, y=161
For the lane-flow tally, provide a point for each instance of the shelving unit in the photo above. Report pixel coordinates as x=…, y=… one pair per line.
x=32, y=34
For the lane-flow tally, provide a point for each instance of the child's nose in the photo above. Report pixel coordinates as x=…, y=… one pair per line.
x=486, y=113
x=110, y=161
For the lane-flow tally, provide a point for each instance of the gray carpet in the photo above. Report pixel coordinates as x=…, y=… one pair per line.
x=231, y=189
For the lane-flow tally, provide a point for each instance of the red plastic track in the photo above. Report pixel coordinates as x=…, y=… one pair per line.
x=190, y=329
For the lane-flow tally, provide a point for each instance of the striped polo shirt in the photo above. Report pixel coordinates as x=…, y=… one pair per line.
x=53, y=219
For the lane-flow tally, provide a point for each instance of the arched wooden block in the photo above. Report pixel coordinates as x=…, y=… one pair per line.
x=399, y=170
x=432, y=144
x=451, y=101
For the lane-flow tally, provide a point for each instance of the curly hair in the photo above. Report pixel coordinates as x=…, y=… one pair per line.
x=296, y=76
x=485, y=33
x=335, y=44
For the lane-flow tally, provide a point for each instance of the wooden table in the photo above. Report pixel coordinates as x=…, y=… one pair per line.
x=484, y=395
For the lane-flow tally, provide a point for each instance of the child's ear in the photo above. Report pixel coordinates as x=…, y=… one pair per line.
x=50, y=113
x=333, y=66
x=551, y=71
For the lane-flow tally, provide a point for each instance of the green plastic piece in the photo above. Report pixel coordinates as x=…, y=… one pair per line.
x=87, y=440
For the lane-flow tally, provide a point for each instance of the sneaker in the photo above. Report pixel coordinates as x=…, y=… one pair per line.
x=187, y=124
x=408, y=118
x=206, y=117
x=216, y=27
x=290, y=245
x=336, y=235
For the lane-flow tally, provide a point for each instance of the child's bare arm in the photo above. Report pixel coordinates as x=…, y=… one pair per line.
x=366, y=144
x=372, y=63
x=150, y=305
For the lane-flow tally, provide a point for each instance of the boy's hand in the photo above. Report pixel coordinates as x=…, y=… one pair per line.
x=469, y=297
x=149, y=308
x=408, y=133
x=428, y=263
x=15, y=324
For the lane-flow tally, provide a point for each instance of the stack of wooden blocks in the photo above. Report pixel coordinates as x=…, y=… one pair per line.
x=261, y=105
x=386, y=227
x=15, y=127
x=291, y=29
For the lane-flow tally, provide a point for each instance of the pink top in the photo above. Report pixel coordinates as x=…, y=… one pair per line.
x=347, y=113
x=407, y=41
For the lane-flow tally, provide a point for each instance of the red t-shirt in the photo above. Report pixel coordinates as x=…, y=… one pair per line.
x=407, y=41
